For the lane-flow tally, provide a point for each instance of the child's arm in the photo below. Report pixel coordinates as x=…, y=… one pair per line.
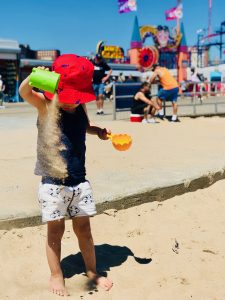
x=102, y=133
x=35, y=99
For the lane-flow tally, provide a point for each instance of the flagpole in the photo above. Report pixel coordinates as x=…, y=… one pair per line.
x=178, y=20
x=210, y=17
x=178, y=49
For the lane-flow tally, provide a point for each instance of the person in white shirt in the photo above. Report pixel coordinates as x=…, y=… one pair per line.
x=2, y=88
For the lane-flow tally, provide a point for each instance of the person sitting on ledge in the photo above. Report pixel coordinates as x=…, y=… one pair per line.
x=142, y=104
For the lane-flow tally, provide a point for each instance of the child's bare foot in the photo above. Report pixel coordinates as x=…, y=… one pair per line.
x=103, y=282
x=57, y=285
x=100, y=281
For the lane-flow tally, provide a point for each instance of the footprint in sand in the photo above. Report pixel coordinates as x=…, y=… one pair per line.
x=182, y=280
x=134, y=233
x=110, y=212
x=209, y=251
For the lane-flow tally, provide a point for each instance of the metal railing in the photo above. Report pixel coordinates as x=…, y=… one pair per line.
x=204, y=94
x=120, y=102
x=196, y=94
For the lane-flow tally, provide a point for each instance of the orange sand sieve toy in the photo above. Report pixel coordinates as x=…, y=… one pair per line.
x=121, y=142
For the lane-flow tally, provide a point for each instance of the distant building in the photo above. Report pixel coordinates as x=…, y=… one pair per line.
x=9, y=65
x=33, y=58
x=193, y=52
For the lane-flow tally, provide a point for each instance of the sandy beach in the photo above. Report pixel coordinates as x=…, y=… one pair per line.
x=162, y=250
x=112, y=126
x=162, y=155
x=172, y=250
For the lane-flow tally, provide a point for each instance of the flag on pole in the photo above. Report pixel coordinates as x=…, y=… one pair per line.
x=127, y=6
x=174, y=13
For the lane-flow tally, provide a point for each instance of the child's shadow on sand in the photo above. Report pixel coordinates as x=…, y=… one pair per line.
x=107, y=256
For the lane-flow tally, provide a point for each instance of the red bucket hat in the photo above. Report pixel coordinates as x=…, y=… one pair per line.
x=75, y=85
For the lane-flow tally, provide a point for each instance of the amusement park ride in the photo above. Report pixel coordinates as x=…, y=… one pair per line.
x=169, y=47
x=205, y=42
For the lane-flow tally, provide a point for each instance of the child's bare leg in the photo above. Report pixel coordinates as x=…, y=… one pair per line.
x=53, y=250
x=82, y=229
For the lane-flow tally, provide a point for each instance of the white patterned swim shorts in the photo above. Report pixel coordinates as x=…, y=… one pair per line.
x=58, y=201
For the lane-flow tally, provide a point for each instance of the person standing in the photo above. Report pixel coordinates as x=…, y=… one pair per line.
x=194, y=75
x=197, y=85
x=2, y=88
x=170, y=88
x=64, y=191
x=99, y=79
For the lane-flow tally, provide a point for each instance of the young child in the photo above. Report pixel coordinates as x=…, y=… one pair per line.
x=64, y=191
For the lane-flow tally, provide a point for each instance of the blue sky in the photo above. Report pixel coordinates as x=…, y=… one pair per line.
x=75, y=26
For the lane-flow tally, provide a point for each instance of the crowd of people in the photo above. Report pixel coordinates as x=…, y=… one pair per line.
x=199, y=86
x=142, y=102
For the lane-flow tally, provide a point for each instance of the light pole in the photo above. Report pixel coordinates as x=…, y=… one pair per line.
x=200, y=34
x=178, y=49
x=222, y=25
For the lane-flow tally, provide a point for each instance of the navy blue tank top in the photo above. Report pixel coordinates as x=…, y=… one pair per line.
x=73, y=126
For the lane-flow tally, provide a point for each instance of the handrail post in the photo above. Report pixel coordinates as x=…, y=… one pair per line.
x=216, y=108
x=114, y=101
x=164, y=108
x=195, y=85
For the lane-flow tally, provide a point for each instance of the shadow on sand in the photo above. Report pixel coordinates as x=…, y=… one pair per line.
x=107, y=256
